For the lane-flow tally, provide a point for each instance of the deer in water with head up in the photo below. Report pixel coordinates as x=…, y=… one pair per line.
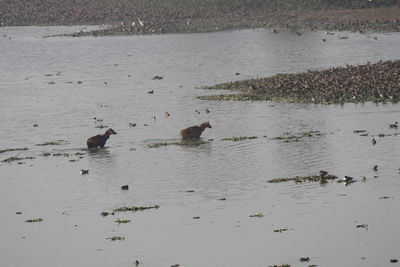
x=100, y=139
x=194, y=132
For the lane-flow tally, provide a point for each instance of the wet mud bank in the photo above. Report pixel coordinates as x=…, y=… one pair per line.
x=181, y=16
x=378, y=82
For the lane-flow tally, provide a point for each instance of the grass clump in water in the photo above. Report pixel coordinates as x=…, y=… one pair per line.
x=116, y=238
x=53, y=143
x=181, y=143
x=289, y=138
x=34, y=220
x=258, y=215
x=10, y=159
x=302, y=179
x=280, y=230
x=238, y=138
x=134, y=208
x=122, y=221
x=12, y=149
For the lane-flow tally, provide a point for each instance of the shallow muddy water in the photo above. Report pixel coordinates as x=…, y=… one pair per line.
x=61, y=84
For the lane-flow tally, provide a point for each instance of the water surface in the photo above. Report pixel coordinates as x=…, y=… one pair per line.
x=62, y=83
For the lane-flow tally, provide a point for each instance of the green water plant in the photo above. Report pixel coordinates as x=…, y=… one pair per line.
x=289, y=138
x=302, y=179
x=135, y=208
x=280, y=230
x=258, y=215
x=122, y=221
x=12, y=149
x=53, y=143
x=181, y=143
x=34, y=220
x=10, y=159
x=238, y=138
x=116, y=238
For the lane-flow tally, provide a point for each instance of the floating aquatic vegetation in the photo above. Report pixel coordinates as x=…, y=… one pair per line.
x=12, y=149
x=101, y=126
x=238, y=138
x=196, y=217
x=116, y=238
x=106, y=213
x=181, y=143
x=362, y=226
x=359, y=131
x=10, y=159
x=385, y=135
x=189, y=191
x=282, y=265
x=134, y=208
x=302, y=179
x=280, y=230
x=79, y=154
x=122, y=221
x=34, y=220
x=155, y=145
x=54, y=143
x=258, y=215
x=289, y=138
x=65, y=154
x=305, y=259
x=46, y=154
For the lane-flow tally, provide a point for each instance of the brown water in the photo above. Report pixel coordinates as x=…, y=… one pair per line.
x=116, y=74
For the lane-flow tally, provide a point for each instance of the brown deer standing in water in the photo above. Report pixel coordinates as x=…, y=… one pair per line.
x=100, y=139
x=194, y=132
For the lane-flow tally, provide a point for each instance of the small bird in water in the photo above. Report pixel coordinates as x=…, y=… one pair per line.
x=393, y=126
x=197, y=112
x=348, y=180
x=167, y=114
x=151, y=92
x=84, y=172
x=125, y=187
x=207, y=111
x=323, y=173
x=140, y=22
x=376, y=168
x=373, y=141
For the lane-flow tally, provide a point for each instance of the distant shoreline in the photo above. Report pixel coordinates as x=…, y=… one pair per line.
x=137, y=17
x=386, y=19
x=377, y=82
